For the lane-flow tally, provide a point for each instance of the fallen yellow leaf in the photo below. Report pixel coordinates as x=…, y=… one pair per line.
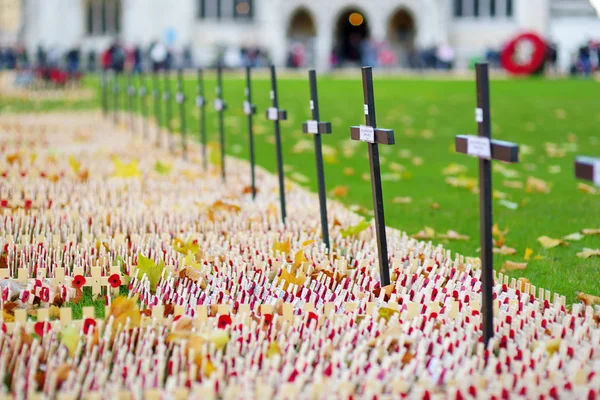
x=574, y=236
x=549, y=243
x=587, y=253
x=513, y=266
x=504, y=250
x=283, y=247
x=591, y=231
x=588, y=299
x=340, y=191
x=425, y=234
x=402, y=200
x=453, y=235
x=536, y=185
x=528, y=253
x=585, y=188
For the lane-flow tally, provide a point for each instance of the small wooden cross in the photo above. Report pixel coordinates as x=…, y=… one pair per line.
x=142, y=93
x=588, y=168
x=131, y=100
x=275, y=114
x=168, y=108
x=374, y=137
x=486, y=149
x=201, y=104
x=180, y=98
x=220, y=107
x=157, y=110
x=250, y=110
x=316, y=128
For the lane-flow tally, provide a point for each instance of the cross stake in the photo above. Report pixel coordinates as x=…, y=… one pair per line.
x=316, y=128
x=157, y=110
x=104, y=84
x=168, y=109
x=142, y=92
x=201, y=104
x=250, y=110
x=486, y=149
x=588, y=168
x=130, y=100
x=375, y=136
x=275, y=114
x=221, y=106
x=180, y=98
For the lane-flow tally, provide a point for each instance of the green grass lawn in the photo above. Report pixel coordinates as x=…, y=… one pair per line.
x=426, y=115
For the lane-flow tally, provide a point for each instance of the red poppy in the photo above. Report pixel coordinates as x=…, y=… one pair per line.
x=87, y=324
x=25, y=296
x=38, y=283
x=268, y=319
x=5, y=294
x=78, y=281
x=42, y=327
x=177, y=318
x=4, y=329
x=311, y=316
x=224, y=320
x=45, y=294
x=114, y=280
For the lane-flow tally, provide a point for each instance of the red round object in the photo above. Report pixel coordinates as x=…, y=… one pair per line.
x=114, y=280
x=223, y=321
x=78, y=281
x=537, y=58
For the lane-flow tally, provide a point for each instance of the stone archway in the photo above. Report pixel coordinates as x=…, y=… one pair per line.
x=301, y=36
x=351, y=31
x=401, y=33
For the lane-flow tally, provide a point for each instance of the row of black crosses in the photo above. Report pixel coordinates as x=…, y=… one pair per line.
x=481, y=146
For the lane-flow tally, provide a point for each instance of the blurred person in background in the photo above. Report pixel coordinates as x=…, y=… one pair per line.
x=136, y=60
x=73, y=59
x=188, y=59
x=92, y=61
x=158, y=55
x=117, y=57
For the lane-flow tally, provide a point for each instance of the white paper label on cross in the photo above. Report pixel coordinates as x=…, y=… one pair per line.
x=199, y=101
x=479, y=115
x=312, y=105
x=218, y=104
x=366, y=109
x=272, y=95
x=313, y=126
x=479, y=146
x=247, y=108
x=597, y=172
x=367, y=134
x=273, y=114
x=179, y=98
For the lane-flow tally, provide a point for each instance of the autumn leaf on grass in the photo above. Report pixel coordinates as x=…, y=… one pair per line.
x=355, y=229
x=162, y=168
x=402, y=200
x=574, y=236
x=549, y=243
x=282, y=247
x=536, y=185
x=591, y=231
x=386, y=313
x=587, y=253
x=454, y=169
x=292, y=278
x=588, y=299
x=222, y=206
x=190, y=261
x=75, y=166
x=462, y=182
x=453, y=235
x=528, y=253
x=299, y=258
x=585, y=188
x=513, y=266
x=123, y=170
x=424, y=234
x=504, y=251
x=339, y=191
x=124, y=308
x=149, y=268
x=513, y=184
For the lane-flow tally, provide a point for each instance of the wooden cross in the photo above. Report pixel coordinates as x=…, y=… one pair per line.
x=250, y=110
x=180, y=98
x=275, y=114
x=157, y=100
x=116, y=98
x=316, y=128
x=588, y=168
x=220, y=107
x=374, y=137
x=142, y=92
x=168, y=108
x=103, y=86
x=131, y=99
x=486, y=149
x=201, y=104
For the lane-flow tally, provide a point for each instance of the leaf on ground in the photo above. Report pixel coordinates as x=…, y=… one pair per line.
x=549, y=243
x=292, y=278
x=453, y=235
x=123, y=170
x=152, y=270
x=588, y=253
x=424, y=234
x=339, y=191
x=536, y=185
x=498, y=195
x=191, y=246
x=509, y=266
x=454, y=169
x=505, y=171
x=386, y=313
x=282, y=247
x=220, y=205
x=513, y=184
x=504, y=251
x=463, y=182
x=574, y=236
x=528, y=253
x=588, y=299
x=355, y=229
x=590, y=231
x=300, y=178
x=302, y=145
x=402, y=200
x=348, y=171
x=162, y=168
x=69, y=336
x=273, y=349
x=585, y=188
x=122, y=309
x=75, y=165
x=299, y=258
x=190, y=261
x=395, y=167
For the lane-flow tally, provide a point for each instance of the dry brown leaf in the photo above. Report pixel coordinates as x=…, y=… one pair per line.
x=425, y=234
x=587, y=253
x=536, y=185
x=504, y=250
x=585, y=188
x=591, y=231
x=339, y=191
x=122, y=309
x=453, y=235
x=549, y=243
x=588, y=299
x=348, y=171
x=513, y=266
x=513, y=184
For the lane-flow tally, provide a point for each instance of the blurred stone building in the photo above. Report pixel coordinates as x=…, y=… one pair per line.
x=325, y=27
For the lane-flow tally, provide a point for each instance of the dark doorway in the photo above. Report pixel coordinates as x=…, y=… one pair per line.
x=401, y=36
x=301, y=39
x=352, y=29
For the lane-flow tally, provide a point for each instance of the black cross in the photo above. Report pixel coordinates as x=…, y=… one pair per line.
x=180, y=98
x=168, y=109
x=142, y=92
x=375, y=136
x=103, y=85
x=130, y=100
x=157, y=100
x=201, y=104
x=275, y=114
x=116, y=98
x=250, y=110
x=486, y=149
x=221, y=106
x=588, y=168
x=316, y=128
